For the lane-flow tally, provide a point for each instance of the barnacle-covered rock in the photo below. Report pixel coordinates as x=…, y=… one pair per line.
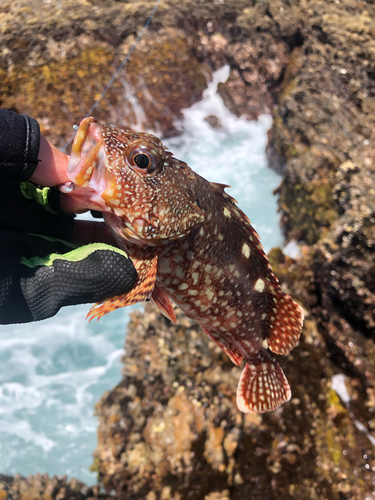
x=171, y=429
x=44, y=487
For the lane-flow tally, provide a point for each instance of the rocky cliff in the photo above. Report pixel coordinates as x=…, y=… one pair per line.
x=171, y=429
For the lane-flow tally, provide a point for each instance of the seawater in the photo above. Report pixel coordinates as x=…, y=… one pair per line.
x=53, y=372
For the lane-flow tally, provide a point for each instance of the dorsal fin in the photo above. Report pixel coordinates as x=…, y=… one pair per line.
x=220, y=188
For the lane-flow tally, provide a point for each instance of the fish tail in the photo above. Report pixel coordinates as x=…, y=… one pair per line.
x=263, y=385
x=286, y=321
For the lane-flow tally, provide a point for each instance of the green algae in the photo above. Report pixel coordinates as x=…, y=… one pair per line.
x=310, y=207
x=59, y=93
x=164, y=76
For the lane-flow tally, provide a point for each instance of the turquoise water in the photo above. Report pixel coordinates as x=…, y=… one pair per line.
x=53, y=372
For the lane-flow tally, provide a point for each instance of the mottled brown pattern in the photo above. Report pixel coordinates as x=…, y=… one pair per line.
x=210, y=261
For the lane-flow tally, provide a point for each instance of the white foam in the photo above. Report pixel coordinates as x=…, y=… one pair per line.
x=23, y=430
x=292, y=250
x=338, y=385
x=233, y=154
x=52, y=373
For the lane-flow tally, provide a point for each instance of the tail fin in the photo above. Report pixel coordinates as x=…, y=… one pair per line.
x=286, y=321
x=262, y=386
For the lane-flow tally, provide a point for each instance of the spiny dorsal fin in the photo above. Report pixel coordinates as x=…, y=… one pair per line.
x=220, y=188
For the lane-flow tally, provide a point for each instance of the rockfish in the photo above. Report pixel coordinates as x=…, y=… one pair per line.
x=192, y=245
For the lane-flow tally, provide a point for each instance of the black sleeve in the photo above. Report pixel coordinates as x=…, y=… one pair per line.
x=19, y=150
x=19, y=145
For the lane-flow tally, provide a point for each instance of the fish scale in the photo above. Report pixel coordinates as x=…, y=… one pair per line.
x=192, y=246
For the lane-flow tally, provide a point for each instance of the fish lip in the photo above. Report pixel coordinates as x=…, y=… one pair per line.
x=81, y=135
x=84, y=152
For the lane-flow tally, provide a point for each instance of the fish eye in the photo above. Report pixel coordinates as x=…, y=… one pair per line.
x=144, y=158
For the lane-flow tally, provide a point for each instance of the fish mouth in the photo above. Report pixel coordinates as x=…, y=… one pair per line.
x=85, y=150
x=87, y=169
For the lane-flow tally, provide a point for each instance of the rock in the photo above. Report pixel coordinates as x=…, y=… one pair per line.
x=43, y=487
x=322, y=141
x=171, y=428
x=213, y=121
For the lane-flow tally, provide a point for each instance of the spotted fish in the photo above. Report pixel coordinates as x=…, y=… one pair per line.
x=192, y=245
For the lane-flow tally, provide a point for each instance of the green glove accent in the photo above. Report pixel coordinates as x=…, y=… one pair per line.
x=75, y=255
x=40, y=195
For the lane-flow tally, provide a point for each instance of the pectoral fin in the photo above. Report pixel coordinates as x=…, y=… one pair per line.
x=142, y=290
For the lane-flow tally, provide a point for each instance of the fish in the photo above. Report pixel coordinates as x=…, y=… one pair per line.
x=192, y=246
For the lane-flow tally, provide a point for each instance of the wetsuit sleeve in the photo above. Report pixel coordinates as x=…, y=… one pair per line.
x=40, y=272
x=19, y=145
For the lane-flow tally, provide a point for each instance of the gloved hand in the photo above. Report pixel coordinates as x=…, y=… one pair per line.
x=39, y=270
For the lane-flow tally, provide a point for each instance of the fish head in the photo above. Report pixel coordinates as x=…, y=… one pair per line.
x=133, y=177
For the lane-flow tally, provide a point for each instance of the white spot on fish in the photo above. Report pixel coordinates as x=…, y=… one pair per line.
x=245, y=250
x=180, y=272
x=259, y=285
x=183, y=286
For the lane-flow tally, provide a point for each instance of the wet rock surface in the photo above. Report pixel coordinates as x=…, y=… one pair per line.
x=171, y=428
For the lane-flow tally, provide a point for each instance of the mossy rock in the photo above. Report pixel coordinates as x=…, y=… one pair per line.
x=161, y=78
x=309, y=207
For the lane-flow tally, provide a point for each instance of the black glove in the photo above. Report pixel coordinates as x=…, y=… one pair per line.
x=39, y=271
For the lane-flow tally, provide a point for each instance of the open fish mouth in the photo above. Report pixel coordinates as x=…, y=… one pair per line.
x=87, y=168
